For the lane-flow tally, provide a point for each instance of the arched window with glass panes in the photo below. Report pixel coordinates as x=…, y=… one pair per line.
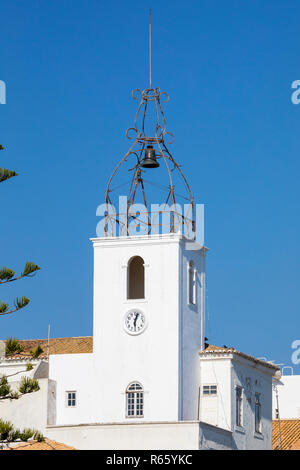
x=134, y=400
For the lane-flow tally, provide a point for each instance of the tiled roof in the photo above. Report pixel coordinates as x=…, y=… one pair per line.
x=47, y=444
x=211, y=349
x=290, y=434
x=77, y=345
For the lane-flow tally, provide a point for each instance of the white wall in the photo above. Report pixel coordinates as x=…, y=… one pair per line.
x=150, y=358
x=216, y=410
x=32, y=410
x=288, y=395
x=253, y=380
x=191, y=331
x=180, y=435
x=134, y=436
x=76, y=372
x=164, y=358
x=15, y=369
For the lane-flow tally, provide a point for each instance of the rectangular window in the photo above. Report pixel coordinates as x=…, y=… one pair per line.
x=239, y=406
x=71, y=399
x=257, y=413
x=209, y=390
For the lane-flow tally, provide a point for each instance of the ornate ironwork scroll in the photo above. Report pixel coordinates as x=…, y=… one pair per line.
x=149, y=221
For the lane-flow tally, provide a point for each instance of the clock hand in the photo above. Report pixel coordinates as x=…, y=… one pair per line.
x=135, y=320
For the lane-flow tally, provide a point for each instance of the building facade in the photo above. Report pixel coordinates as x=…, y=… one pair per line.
x=147, y=380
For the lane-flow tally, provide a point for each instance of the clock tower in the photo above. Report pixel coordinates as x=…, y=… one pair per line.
x=149, y=283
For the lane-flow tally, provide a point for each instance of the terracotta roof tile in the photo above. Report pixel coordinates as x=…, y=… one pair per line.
x=45, y=445
x=211, y=349
x=76, y=345
x=290, y=434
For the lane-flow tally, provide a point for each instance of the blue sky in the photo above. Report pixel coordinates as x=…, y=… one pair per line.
x=69, y=67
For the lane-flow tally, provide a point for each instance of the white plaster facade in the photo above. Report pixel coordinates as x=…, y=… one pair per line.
x=163, y=357
x=34, y=410
x=183, y=435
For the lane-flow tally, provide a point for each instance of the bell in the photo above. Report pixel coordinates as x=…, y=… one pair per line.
x=150, y=158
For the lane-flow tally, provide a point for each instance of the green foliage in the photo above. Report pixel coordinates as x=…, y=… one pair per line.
x=5, y=429
x=26, y=434
x=4, y=387
x=13, y=346
x=10, y=434
x=38, y=436
x=21, y=302
x=30, y=268
x=28, y=385
x=29, y=366
x=14, y=435
x=29, y=433
x=5, y=174
x=36, y=352
x=6, y=274
x=3, y=307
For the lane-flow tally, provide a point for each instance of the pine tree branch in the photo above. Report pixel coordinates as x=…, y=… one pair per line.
x=7, y=274
x=20, y=302
x=26, y=385
x=6, y=174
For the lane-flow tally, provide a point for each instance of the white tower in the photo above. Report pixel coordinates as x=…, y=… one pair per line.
x=148, y=325
x=149, y=292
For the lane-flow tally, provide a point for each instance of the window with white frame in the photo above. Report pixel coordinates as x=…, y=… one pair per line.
x=239, y=406
x=257, y=412
x=209, y=390
x=191, y=283
x=134, y=400
x=71, y=399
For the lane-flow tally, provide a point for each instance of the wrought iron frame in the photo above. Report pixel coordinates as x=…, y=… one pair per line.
x=137, y=150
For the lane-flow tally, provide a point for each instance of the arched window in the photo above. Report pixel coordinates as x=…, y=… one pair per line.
x=134, y=400
x=136, y=278
x=191, y=283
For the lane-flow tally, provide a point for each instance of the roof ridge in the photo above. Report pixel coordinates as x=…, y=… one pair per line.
x=212, y=349
x=46, y=339
x=286, y=419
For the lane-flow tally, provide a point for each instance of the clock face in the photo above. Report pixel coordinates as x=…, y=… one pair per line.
x=134, y=322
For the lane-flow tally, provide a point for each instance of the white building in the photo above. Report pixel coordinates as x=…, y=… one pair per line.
x=156, y=387
x=286, y=410
x=147, y=382
x=286, y=397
